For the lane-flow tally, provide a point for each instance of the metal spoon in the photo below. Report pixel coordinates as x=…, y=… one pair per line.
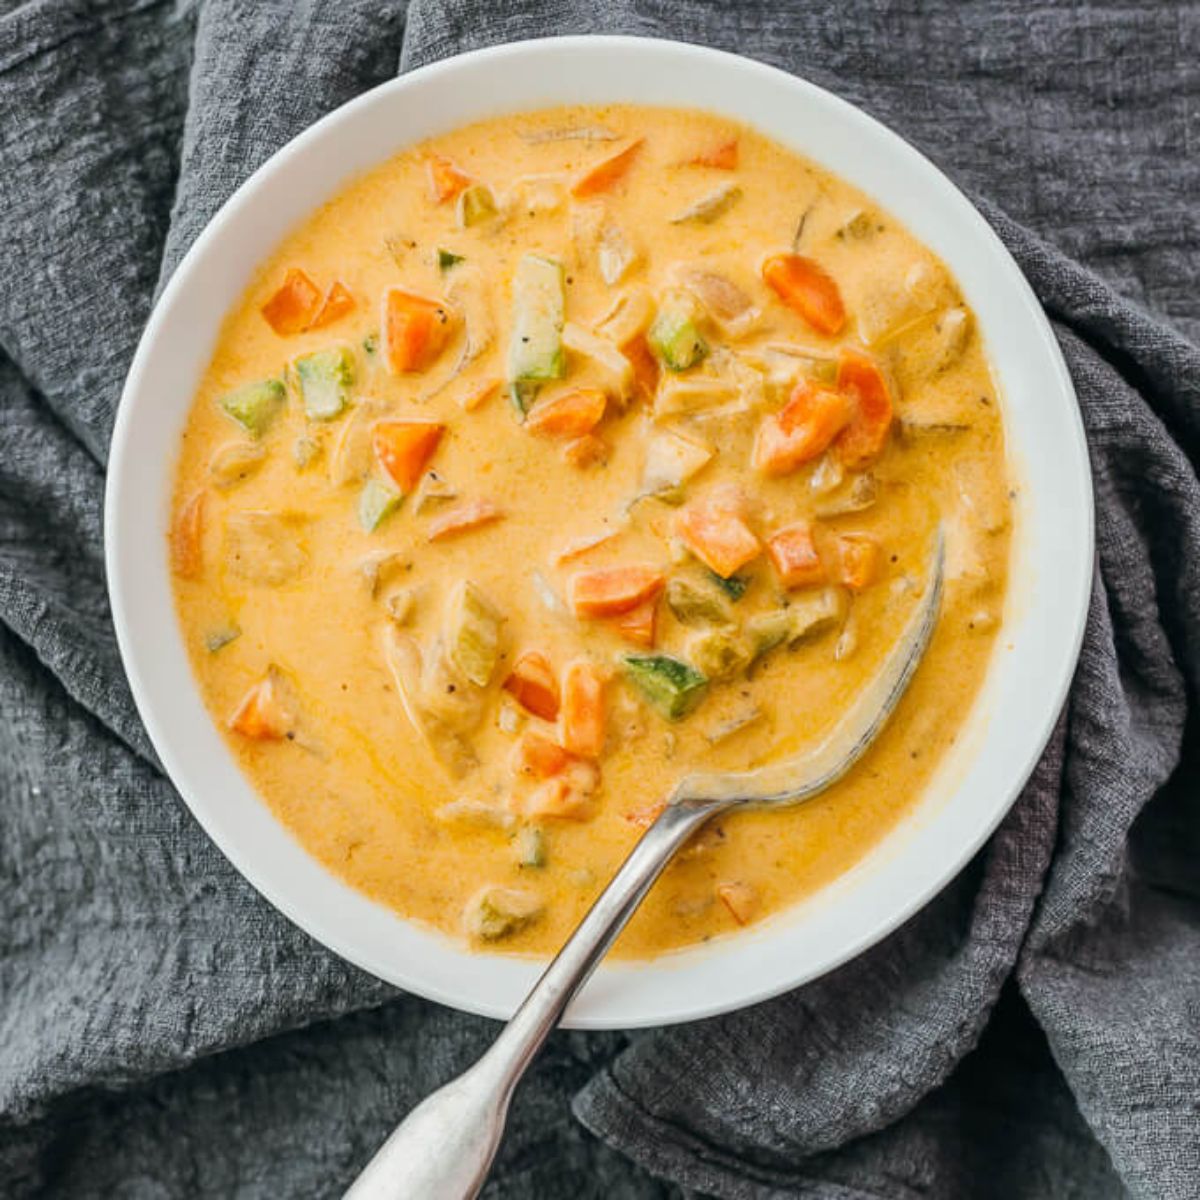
x=445, y=1146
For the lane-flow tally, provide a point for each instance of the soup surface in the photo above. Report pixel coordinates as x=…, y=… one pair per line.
x=561, y=456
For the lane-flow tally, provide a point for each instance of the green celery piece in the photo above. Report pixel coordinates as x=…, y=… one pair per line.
x=448, y=259
x=675, y=338
x=473, y=633
x=522, y=396
x=376, y=502
x=697, y=604
x=255, y=405
x=535, y=351
x=325, y=378
x=370, y=344
x=768, y=630
x=720, y=653
x=531, y=847
x=734, y=587
x=217, y=639
x=499, y=912
x=475, y=206
x=671, y=685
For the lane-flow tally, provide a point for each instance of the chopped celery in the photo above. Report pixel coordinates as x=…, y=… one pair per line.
x=325, y=379
x=447, y=259
x=694, y=603
x=720, y=653
x=768, y=630
x=255, y=405
x=671, y=685
x=217, y=639
x=531, y=847
x=498, y=912
x=734, y=587
x=376, y=502
x=473, y=633
x=475, y=206
x=535, y=353
x=370, y=344
x=674, y=335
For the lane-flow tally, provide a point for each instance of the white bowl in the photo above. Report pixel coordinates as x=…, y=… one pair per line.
x=1052, y=559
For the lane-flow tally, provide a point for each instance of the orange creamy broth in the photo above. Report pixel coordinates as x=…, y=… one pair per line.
x=358, y=785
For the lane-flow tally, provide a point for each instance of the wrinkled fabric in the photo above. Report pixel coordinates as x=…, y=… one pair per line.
x=1033, y=1033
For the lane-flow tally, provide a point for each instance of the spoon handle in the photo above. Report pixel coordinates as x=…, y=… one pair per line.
x=445, y=1146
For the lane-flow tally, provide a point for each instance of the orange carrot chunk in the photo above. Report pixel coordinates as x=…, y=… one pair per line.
x=446, y=180
x=292, y=308
x=741, y=900
x=858, y=557
x=611, y=591
x=586, y=451
x=860, y=378
x=415, y=330
x=723, y=156
x=581, y=719
x=539, y=756
x=338, y=303
x=794, y=556
x=560, y=797
x=262, y=714
x=533, y=685
x=462, y=517
x=569, y=415
x=646, y=368
x=807, y=289
x=187, y=539
x=404, y=447
x=638, y=625
x=606, y=174
x=801, y=430
x=713, y=529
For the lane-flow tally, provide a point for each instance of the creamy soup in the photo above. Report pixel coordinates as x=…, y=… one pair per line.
x=561, y=456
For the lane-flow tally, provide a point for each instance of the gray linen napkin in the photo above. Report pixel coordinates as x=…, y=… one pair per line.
x=1034, y=1033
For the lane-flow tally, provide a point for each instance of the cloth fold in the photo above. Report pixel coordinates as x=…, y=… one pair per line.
x=1032, y=1033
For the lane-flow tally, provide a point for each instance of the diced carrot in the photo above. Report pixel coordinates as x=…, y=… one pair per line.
x=741, y=899
x=808, y=289
x=646, y=369
x=292, y=308
x=262, y=713
x=533, y=685
x=539, y=756
x=415, y=330
x=638, y=624
x=581, y=718
x=858, y=557
x=559, y=797
x=801, y=430
x=568, y=415
x=605, y=174
x=714, y=530
x=462, y=517
x=187, y=539
x=338, y=303
x=586, y=451
x=723, y=156
x=479, y=396
x=643, y=818
x=861, y=378
x=577, y=547
x=794, y=556
x=611, y=591
x=445, y=179
x=404, y=447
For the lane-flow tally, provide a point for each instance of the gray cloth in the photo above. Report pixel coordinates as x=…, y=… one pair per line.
x=1034, y=1033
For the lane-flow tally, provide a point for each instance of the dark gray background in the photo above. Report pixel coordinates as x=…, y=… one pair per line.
x=1034, y=1033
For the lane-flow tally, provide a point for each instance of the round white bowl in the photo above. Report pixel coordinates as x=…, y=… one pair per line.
x=1052, y=558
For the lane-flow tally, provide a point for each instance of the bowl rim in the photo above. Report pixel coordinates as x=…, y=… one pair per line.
x=605, y=1002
